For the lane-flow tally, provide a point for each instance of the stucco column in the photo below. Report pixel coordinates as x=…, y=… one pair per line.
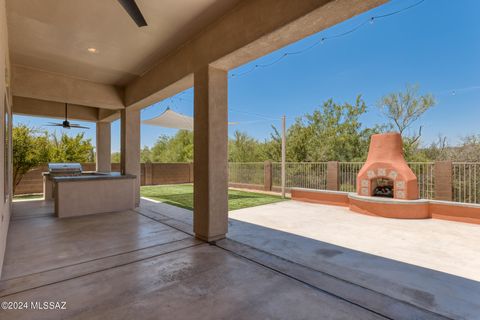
x=333, y=179
x=267, y=175
x=443, y=180
x=130, y=146
x=210, y=154
x=148, y=172
x=103, y=152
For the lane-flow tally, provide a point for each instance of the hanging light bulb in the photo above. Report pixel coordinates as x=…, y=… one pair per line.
x=454, y=92
x=322, y=41
x=372, y=20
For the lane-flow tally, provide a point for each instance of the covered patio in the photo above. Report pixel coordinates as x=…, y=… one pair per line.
x=114, y=69
x=146, y=263
x=150, y=260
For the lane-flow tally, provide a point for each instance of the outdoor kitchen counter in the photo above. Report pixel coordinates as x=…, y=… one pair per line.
x=93, y=193
x=94, y=176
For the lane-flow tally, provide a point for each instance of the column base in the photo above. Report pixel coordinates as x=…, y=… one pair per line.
x=210, y=239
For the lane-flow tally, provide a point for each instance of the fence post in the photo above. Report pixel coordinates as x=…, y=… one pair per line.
x=148, y=173
x=267, y=175
x=332, y=175
x=191, y=172
x=443, y=180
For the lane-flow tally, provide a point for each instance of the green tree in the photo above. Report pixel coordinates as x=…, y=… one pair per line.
x=30, y=148
x=178, y=148
x=468, y=150
x=71, y=149
x=403, y=109
x=115, y=158
x=332, y=132
x=243, y=148
x=145, y=155
x=272, y=149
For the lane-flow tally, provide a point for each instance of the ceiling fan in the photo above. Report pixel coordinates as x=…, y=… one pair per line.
x=132, y=9
x=66, y=124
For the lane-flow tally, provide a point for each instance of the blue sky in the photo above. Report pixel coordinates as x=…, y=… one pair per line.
x=435, y=45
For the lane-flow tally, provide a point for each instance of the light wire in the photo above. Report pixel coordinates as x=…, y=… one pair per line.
x=323, y=39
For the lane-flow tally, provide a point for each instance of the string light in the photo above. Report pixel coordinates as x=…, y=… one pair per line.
x=325, y=38
x=321, y=41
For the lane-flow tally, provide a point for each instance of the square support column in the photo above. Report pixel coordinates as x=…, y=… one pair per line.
x=103, y=149
x=267, y=175
x=130, y=147
x=148, y=173
x=443, y=173
x=210, y=154
x=333, y=179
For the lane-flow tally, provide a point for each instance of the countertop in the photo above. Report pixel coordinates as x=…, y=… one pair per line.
x=94, y=176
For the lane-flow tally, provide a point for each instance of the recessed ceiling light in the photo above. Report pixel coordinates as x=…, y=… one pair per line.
x=92, y=50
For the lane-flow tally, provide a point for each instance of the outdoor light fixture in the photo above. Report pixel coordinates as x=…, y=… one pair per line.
x=92, y=50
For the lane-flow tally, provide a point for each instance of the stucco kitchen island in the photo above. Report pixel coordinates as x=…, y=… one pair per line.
x=93, y=193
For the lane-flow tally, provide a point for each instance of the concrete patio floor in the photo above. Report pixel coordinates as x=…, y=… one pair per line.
x=144, y=264
x=430, y=264
x=439, y=245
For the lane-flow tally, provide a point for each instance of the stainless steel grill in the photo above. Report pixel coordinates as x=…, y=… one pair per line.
x=65, y=169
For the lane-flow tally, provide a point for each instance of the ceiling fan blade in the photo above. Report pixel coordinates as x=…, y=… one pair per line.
x=54, y=125
x=132, y=9
x=74, y=125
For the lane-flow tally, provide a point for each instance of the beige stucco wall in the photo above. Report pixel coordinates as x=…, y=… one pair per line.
x=4, y=74
x=43, y=85
x=151, y=174
x=78, y=198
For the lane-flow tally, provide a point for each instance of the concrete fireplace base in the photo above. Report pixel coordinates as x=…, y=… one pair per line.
x=335, y=198
x=390, y=208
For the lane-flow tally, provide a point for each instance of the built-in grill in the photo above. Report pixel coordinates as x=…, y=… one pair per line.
x=65, y=169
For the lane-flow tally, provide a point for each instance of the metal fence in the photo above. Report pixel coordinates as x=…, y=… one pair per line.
x=465, y=180
x=246, y=172
x=425, y=177
x=312, y=175
x=348, y=172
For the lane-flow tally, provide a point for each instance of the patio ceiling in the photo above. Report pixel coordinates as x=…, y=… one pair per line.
x=135, y=67
x=54, y=35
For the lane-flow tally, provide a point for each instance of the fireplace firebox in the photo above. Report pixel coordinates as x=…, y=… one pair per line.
x=382, y=188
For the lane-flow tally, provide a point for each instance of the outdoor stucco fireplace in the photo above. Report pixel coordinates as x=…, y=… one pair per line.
x=386, y=173
x=386, y=186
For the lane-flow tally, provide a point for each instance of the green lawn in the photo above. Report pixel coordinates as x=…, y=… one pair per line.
x=33, y=196
x=181, y=195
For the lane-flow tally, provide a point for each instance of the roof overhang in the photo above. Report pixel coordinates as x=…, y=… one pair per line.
x=136, y=67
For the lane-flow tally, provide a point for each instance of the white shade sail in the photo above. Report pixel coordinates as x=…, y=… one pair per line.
x=171, y=119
